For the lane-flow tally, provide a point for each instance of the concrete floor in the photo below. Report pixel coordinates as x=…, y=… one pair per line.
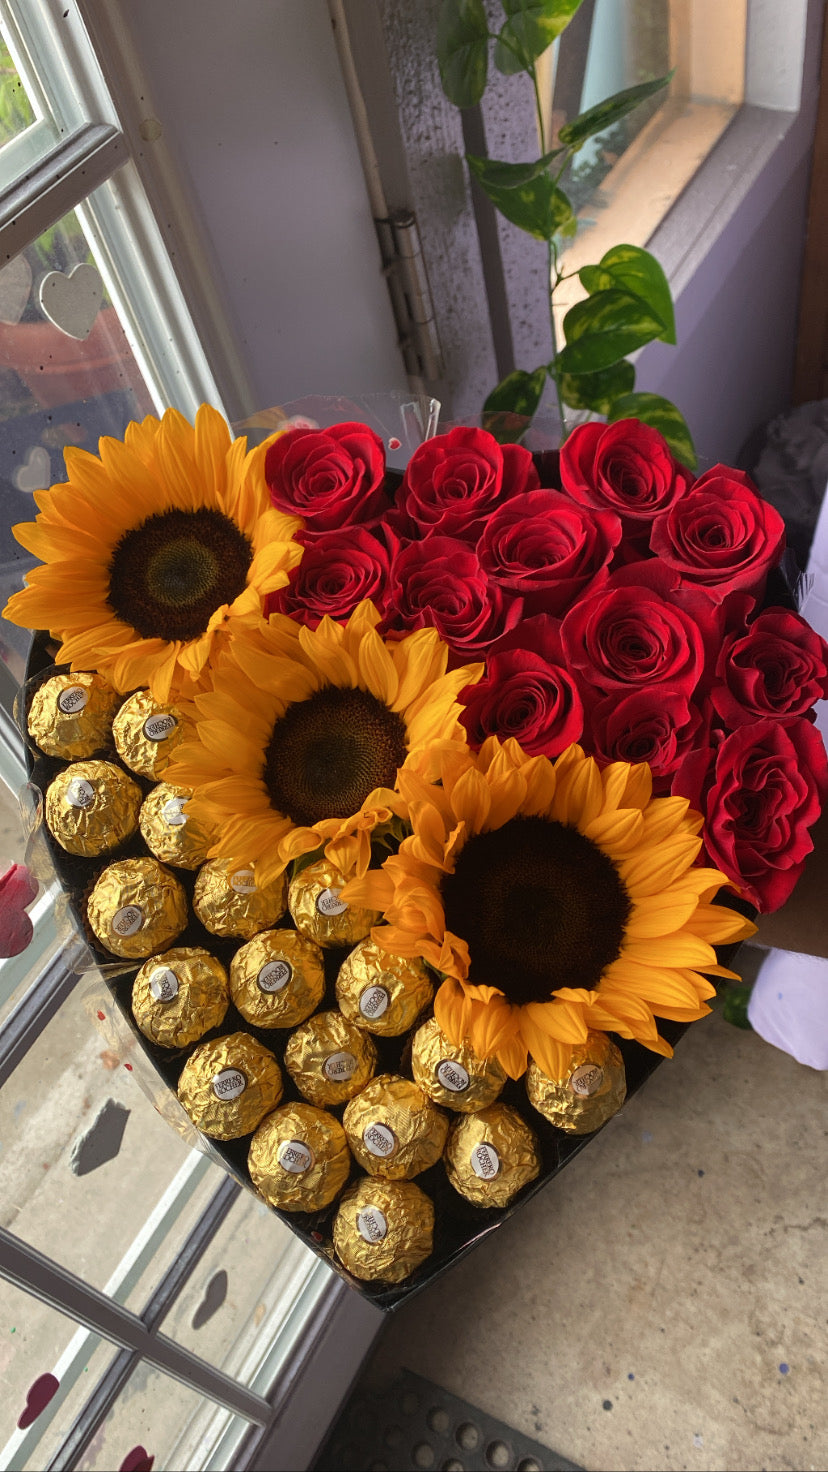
x=662, y=1304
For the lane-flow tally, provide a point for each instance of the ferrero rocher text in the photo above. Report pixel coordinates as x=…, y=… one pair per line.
x=137, y=907
x=169, y=831
x=147, y=733
x=277, y=979
x=382, y=992
x=393, y=1128
x=71, y=715
x=492, y=1155
x=228, y=901
x=329, y=1059
x=451, y=1073
x=92, y=808
x=383, y=1229
x=299, y=1158
x=593, y=1088
x=180, y=995
x=229, y=1084
x=314, y=900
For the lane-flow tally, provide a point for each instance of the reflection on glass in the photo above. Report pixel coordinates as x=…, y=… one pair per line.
x=50, y=1365
x=172, y=1423
x=15, y=109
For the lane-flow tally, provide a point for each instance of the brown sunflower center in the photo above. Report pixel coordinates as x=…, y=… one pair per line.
x=540, y=907
x=169, y=575
x=328, y=752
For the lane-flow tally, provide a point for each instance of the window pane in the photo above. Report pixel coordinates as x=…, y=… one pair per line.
x=15, y=109
x=38, y=1342
x=174, y=1424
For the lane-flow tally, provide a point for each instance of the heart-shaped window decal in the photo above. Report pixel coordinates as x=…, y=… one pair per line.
x=71, y=302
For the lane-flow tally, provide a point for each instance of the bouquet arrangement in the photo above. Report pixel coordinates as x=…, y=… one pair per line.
x=508, y=725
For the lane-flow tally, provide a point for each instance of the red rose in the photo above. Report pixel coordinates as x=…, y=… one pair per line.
x=760, y=791
x=625, y=467
x=330, y=477
x=338, y=570
x=656, y=724
x=778, y=668
x=527, y=693
x=455, y=480
x=548, y=549
x=439, y=583
x=637, y=630
x=721, y=534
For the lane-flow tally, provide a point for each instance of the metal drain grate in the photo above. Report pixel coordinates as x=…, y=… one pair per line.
x=413, y=1424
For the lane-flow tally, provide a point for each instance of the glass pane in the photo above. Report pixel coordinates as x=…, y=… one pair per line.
x=172, y=1423
x=16, y=112
x=50, y=1365
x=67, y=376
x=240, y=1290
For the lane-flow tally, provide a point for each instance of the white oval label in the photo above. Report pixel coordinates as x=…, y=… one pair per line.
x=374, y=1001
x=127, y=920
x=372, y=1224
x=243, y=881
x=452, y=1076
x=274, y=976
x=379, y=1139
x=80, y=793
x=229, y=1083
x=295, y=1157
x=329, y=903
x=339, y=1066
x=163, y=984
x=587, y=1079
x=171, y=812
x=72, y=700
x=485, y=1161
x=159, y=727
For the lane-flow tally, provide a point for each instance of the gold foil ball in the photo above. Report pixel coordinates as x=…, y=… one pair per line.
x=329, y=1059
x=451, y=1073
x=492, y=1155
x=92, y=808
x=228, y=1085
x=383, y=1229
x=277, y=979
x=299, y=1158
x=319, y=912
x=71, y=715
x=180, y=995
x=146, y=734
x=393, y=1128
x=381, y=992
x=229, y=902
x=137, y=907
x=168, y=830
x=592, y=1089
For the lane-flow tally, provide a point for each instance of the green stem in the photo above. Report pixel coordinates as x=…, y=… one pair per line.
x=552, y=259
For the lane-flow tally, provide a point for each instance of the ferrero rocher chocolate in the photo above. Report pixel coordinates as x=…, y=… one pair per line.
x=137, y=907
x=383, y=1229
x=329, y=1059
x=180, y=995
x=452, y=1074
x=381, y=992
x=592, y=1089
x=146, y=734
x=314, y=900
x=71, y=715
x=228, y=1085
x=492, y=1155
x=228, y=901
x=299, y=1158
x=277, y=979
x=169, y=831
x=92, y=808
x=393, y=1128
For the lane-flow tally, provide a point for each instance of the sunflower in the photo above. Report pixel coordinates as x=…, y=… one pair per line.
x=303, y=732
x=151, y=548
x=554, y=898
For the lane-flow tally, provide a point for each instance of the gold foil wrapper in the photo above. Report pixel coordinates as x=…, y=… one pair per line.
x=381, y=992
x=492, y=1155
x=228, y=901
x=146, y=734
x=168, y=830
x=71, y=715
x=383, y=1229
x=329, y=1059
x=591, y=1091
x=452, y=1074
x=319, y=912
x=299, y=1158
x=137, y=907
x=228, y=1085
x=92, y=808
x=393, y=1128
x=180, y=995
x=277, y=979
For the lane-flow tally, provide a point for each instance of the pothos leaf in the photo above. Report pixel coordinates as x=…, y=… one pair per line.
x=509, y=407
x=536, y=205
x=575, y=134
x=463, y=51
x=634, y=270
x=603, y=329
x=531, y=26
x=597, y=391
